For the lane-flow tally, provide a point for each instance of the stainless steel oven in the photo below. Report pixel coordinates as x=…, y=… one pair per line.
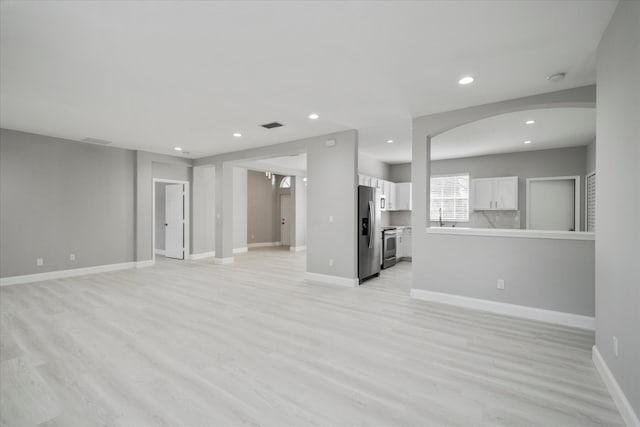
x=389, y=244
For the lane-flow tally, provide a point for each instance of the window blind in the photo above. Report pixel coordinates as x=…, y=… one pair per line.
x=451, y=194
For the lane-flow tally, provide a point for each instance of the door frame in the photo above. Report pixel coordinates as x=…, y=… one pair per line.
x=576, y=190
x=187, y=215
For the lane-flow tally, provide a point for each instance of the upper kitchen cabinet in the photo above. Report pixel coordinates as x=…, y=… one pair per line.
x=403, y=196
x=494, y=193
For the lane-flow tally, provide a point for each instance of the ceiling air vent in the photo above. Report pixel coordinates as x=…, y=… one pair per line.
x=272, y=125
x=96, y=141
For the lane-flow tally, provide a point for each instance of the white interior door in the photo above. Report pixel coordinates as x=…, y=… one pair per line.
x=174, y=221
x=552, y=205
x=285, y=220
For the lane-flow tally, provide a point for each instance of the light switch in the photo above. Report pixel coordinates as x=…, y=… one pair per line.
x=330, y=218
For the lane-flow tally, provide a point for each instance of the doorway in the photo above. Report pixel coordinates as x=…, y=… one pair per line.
x=170, y=218
x=553, y=203
x=285, y=219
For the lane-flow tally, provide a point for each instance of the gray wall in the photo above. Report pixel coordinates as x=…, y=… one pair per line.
x=239, y=208
x=61, y=197
x=525, y=164
x=299, y=195
x=400, y=172
x=370, y=166
x=203, y=210
x=618, y=198
x=160, y=206
x=527, y=262
x=332, y=191
x=261, y=209
x=591, y=156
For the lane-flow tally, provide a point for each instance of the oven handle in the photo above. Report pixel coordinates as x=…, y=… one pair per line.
x=372, y=224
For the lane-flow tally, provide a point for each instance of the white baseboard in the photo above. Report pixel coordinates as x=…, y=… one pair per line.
x=625, y=408
x=143, y=264
x=39, y=277
x=240, y=250
x=263, y=244
x=159, y=251
x=532, y=313
x=222, y=261
x=333, y=280
x=297, y=248
x=202, y=255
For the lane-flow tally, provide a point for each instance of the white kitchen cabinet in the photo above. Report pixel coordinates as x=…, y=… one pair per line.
x=390, y=195
x=490, y=194
x=403, y=196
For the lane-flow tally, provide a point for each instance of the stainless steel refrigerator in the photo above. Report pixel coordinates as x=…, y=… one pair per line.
x=369, y=237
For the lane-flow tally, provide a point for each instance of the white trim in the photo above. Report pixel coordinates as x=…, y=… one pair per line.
x=39, y=277
x=240, y=250
x=576, y=192
x=223, y=261
x=263, y=244
x=297, y=248
x=515, y=232
x=147, y=263
x=621, y=401
x=202, y=255
x=333, y=280
x=187, y=214
x=159, y=252
x=532, y=313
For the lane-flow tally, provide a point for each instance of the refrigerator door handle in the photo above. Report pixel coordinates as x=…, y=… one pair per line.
x=372, y=224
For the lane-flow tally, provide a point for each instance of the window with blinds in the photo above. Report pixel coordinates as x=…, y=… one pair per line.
x=591, y=202
x=450, y=194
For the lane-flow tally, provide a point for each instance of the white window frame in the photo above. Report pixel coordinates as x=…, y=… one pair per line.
x=468, y=175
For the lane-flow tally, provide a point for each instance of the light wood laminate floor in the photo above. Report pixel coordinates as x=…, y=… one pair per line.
x=196, y=344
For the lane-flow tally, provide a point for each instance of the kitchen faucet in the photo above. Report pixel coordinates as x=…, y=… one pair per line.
x=441, y=221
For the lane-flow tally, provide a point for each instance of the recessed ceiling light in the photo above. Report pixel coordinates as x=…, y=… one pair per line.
x=177, y=148
x=530, y=122
x=466, y=80
x=390, y=141
x=556, y=77
x=527, y=142
x=237, y=134
x=313, y=116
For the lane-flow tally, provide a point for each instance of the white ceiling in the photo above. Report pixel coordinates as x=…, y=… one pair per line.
x=154, y=75
x=506, y=133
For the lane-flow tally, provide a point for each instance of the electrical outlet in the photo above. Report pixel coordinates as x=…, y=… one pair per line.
x=330, y=262
x=40, y=262
x=615, y=346
x=72, y=257
x=501, y=284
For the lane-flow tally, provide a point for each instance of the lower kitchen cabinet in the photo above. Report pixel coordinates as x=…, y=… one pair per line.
x=403, y=250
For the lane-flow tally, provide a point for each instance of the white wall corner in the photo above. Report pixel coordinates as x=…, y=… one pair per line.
x=143, y=264
x=202, y=255
x=624, y=406
x=297, y=248
x=521, y=311
x=60, y=274
x=223, y=261
x=332, y=280
x=240, y=250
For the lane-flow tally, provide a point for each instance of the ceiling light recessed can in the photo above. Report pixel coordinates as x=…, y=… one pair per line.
x=527, y=142
x=529, y=122
x=466, y=80
x=556, y=77
x=177, y=148
x=389, y=141
x=237, y=134
x=313, y=116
